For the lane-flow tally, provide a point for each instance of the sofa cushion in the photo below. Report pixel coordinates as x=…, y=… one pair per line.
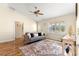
x=39, y=34
x=29, y=35
x=35, y=34
x=32, y=35
x=37, y=38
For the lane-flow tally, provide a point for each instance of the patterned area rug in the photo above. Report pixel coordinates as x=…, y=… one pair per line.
x=45, y=47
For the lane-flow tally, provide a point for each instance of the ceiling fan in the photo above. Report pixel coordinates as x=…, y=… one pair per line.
x=37, y=12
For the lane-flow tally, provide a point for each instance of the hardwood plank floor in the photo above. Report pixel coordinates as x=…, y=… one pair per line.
x=9, y=49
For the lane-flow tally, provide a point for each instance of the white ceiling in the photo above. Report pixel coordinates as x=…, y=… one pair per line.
x=50, y=10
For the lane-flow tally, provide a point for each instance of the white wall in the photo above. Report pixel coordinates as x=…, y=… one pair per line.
x=7, y=23
x=69, y=19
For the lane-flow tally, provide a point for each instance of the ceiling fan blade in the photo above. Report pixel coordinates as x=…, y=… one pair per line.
x=40, y=13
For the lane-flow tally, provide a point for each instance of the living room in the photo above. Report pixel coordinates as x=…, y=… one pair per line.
x=36, y=19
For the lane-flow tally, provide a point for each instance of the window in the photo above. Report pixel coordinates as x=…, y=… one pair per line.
x=56, y=27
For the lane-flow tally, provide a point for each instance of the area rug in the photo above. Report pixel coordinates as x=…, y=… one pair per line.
x=45, y=47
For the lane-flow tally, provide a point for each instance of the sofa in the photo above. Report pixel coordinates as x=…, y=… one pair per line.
x=33, y=37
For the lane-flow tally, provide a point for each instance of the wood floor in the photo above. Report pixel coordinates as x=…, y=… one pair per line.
x=10, y=49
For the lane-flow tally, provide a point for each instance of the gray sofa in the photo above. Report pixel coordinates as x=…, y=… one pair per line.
x=37, y=38
x=33, y=39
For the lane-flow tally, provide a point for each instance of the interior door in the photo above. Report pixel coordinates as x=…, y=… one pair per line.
x=18, y=29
